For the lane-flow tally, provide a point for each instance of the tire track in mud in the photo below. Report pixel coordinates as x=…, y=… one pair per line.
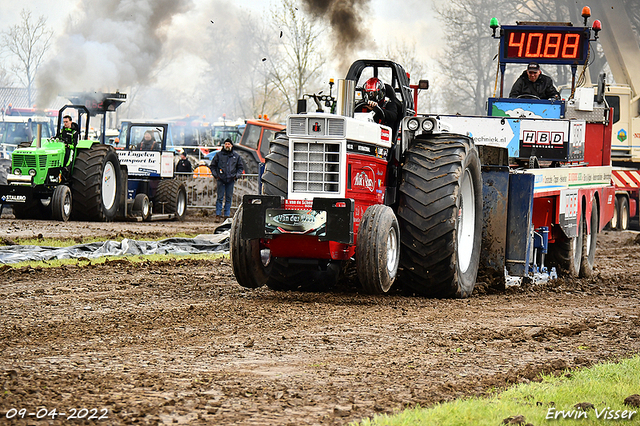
x=181, y=341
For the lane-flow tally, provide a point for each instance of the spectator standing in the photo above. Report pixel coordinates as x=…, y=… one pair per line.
x=184, y=165
x=227, y=166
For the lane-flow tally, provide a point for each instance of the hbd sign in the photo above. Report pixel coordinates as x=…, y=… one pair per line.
x=552, y=140
x=533, y=138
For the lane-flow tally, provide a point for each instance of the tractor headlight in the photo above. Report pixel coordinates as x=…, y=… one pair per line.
x=17, y=172
x=428, y=125
x=413, y=124
x=32, y=172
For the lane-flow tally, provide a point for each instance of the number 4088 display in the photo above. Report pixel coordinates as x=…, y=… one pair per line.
x=544, y=45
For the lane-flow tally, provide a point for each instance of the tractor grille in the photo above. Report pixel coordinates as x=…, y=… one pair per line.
x=316, y=126
x=54, y=163
x=21, y=160
x=316, y=167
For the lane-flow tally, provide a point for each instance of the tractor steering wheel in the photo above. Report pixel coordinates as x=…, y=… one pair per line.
x=527, y=96
x=359, y=106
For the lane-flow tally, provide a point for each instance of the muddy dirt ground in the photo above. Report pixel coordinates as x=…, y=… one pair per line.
x=180, y=342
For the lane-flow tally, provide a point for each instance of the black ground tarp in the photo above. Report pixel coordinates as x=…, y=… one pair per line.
x=201, y=244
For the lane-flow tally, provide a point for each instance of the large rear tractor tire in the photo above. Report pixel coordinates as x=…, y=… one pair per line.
x=95, y=184
x=566, y=253
x=440, y=214
x=276, y=169
x=590, y=239
x=61, y=203
x=378, y=249
x=249, y=267
x=171, y=197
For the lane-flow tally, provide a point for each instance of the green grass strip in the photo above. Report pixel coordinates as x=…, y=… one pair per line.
x=83, y=261
x=550, y=401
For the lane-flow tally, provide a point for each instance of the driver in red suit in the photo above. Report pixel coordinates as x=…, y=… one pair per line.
x=533, y=84
x=378, y=100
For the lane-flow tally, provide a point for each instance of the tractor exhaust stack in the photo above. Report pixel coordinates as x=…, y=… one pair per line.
x=345, y=97
x=39, y=136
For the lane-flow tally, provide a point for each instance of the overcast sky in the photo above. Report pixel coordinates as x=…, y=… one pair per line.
x=388, y=21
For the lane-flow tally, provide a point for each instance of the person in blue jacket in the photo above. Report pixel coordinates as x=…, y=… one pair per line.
x=227, y=167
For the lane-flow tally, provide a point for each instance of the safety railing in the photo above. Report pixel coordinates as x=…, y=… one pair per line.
x=202, y=189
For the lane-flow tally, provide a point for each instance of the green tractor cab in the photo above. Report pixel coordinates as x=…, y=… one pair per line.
x=64, y=176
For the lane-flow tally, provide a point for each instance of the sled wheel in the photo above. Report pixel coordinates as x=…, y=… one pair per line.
x=613, y=223
x=566, y=253
x=623, y=214
x=378, y=249
x=440, y=215
x=588, y=253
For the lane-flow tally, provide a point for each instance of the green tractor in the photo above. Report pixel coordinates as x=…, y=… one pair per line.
x=64, y=177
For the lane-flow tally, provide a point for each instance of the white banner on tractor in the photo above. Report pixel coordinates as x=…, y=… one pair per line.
x=147, y=163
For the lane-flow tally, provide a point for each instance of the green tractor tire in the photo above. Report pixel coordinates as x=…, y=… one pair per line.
x=96, y=184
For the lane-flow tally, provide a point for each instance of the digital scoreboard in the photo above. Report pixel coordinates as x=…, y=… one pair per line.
x=560, y=45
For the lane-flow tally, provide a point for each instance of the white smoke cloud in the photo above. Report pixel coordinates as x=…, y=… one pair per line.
x=108, y=45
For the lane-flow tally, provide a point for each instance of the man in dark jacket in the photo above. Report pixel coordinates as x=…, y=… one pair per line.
x=532, y=83
x=184, y=165
x=227, y=166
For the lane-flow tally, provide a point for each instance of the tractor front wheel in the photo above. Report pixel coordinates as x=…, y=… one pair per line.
x=142, y=207
x=61, y=202
x=378, y=249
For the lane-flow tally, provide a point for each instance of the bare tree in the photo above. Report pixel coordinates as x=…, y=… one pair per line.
x=468, y=63
x=27, y=42
x=295, y=69
x=237, y=76
x=404, y=53
x=5, y=80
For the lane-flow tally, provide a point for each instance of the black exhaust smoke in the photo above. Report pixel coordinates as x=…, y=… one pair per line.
x=346, y=20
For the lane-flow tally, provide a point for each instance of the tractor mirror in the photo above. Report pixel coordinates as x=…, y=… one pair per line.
x=423, y=84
